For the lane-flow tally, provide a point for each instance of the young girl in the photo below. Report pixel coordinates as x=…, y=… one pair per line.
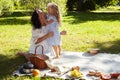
x=55, y=40
x=53, y=19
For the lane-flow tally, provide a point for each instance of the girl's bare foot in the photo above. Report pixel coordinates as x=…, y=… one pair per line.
x=56, y=57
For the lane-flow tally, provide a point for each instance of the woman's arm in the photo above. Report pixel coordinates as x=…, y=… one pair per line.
x=42, y=17
x=45, y=20
x=50, y=34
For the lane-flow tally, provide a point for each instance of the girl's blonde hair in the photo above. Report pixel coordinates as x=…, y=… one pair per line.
x=56, y=12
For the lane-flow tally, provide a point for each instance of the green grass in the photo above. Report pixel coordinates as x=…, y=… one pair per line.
x=92, y=30
x=84, y=30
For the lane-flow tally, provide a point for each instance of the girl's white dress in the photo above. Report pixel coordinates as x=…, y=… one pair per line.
x=37, y=33
x=55, y=40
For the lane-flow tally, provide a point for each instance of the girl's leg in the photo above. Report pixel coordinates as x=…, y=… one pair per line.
x=56, y=51
x=59, y=50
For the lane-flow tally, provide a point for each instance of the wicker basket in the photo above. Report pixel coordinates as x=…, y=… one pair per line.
x=39, y=59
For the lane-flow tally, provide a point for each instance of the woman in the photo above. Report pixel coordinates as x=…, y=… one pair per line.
x=39, y=35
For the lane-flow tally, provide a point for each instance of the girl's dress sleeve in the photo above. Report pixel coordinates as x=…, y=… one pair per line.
x=51, y=26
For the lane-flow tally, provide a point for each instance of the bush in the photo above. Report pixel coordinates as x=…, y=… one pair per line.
x=1, y=8
x=102, y=3
x=88, y=5
x=6, y=5
x=42, y=4
x=10, y=5
x=83, y=5
x=70, y=4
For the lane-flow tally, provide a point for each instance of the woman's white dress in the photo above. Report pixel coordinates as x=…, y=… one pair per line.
x=36, y=34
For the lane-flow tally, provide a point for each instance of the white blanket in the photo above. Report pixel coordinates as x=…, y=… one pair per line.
x=103, y=62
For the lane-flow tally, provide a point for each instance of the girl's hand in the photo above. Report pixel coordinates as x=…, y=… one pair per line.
x=39, y=11
x=63, y=32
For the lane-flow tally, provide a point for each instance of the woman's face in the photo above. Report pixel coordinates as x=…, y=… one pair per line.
x=42, y=16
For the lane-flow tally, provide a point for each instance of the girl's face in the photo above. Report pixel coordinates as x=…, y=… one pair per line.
x=50, y=10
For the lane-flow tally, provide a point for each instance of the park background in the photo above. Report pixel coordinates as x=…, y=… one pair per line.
x=89, y=24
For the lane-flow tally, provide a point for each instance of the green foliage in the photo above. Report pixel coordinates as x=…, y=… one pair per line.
x=106, y=2
x=83, y=5
x=70, y=5
x=80, y=5
x=88, y=5
x=6, y=5
x=1, y=7
x=17, y=4
x=42, y=4
x=10, y=5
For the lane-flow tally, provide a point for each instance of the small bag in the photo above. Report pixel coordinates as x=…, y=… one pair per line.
x=39, y=59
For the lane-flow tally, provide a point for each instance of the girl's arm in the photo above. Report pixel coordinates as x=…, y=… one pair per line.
x=50, y=34
x=63, y=32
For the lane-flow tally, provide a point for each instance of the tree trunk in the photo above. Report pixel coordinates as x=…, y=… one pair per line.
x=69, y=5
x=79, y=5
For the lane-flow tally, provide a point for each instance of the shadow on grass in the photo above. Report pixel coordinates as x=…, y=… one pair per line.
x=109, y=47
x=14, y=21
x=80, y=17
x=16, y=14
x=8, y=65
x=13, y=18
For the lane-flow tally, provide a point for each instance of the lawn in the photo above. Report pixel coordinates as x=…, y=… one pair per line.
x=84, y=30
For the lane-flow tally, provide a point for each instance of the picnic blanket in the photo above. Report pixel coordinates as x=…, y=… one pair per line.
x=103, y=62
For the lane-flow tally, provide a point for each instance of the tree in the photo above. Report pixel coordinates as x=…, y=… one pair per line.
x=17, y=4
x=10, y=5
x=79, y=5
x=6, y=5
x=31, y=4
x=83, y=5
x=42, y=4
x=70, y=4
x=102, y=3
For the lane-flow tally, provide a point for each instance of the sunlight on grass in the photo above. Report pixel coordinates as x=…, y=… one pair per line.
x=84, y=30
x=82, y=36
x=111, y=9
x=15, y=37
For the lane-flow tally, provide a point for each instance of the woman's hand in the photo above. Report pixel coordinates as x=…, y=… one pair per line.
x=49, y=34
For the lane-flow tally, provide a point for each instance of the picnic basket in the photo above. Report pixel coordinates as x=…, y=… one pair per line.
x=38, y=60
